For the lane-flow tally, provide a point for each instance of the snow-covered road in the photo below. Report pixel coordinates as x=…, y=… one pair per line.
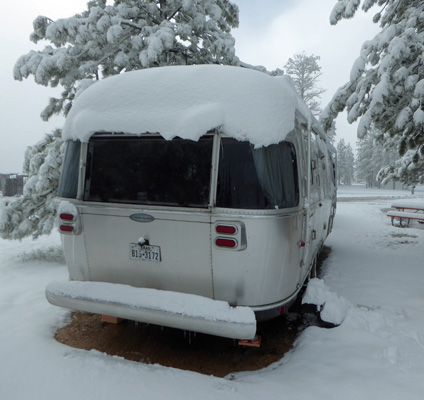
x=373, y=278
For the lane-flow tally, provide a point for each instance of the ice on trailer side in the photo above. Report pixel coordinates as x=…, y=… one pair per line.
x=188, y=102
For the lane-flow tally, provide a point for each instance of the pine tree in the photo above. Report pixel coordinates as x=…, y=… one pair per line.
x=341, y=160
x=386, y=87
x=331, y=133
x=106, y=40
x=365, y=170
x=350, y=164
x=101, y=41
x=345, y=163
x=33, y=213
x=396, y=169
x=305, y=72
x=374, y=159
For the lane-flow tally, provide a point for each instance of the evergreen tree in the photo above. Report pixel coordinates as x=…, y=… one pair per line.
x=345, y=163
x=305, y=72
x=331, y=133
x=101, y=41
x=365, y=170
x=350, y=164
x=33, y=213
x=373, y=159
x=386, y=86
x=395, y=168
x=341, y=160
x=106, y=40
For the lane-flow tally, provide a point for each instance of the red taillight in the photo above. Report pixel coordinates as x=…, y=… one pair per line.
x=226, y=242
x=66, y=228
x=230, y=235
x=67, y=217
x=226, y=229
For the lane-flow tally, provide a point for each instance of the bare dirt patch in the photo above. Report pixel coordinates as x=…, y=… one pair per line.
x=206, y=354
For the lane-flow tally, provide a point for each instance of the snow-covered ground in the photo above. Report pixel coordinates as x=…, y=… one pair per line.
x=357, y=191
x=373, y=280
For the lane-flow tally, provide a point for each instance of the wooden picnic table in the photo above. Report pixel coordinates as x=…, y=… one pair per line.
x=406, y=212
x=406, y=206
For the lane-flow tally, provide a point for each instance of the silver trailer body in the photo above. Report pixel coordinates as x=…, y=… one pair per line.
x=209, y=235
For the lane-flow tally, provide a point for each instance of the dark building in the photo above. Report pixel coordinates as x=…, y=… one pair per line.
x=12, y=184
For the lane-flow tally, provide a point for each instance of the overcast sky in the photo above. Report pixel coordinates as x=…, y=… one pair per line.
x=270, y=32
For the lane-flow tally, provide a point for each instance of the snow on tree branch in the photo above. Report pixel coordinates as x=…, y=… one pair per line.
x=385, y=88
x=33, y=214
x=101, y=41
x=106, y=40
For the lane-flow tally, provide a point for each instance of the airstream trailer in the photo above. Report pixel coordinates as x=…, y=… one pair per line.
x=195, y=197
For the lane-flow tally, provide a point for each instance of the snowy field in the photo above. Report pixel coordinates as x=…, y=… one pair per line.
x=358, y=191
x=373, y=281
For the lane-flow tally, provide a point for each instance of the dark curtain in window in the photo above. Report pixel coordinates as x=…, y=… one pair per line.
x=262, y=178
x=276, y=171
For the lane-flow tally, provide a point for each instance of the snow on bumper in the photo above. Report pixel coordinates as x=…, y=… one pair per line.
x=159, y=307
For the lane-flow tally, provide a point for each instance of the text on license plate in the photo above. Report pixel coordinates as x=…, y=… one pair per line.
x=144, y=253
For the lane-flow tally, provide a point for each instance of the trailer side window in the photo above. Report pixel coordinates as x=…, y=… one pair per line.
x=261, y=178
x=68, y=184
x=149, y=170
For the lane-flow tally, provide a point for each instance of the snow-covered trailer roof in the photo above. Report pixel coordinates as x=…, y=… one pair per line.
x=187, y=101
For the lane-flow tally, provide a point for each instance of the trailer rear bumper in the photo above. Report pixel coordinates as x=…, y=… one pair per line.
x=159, y=307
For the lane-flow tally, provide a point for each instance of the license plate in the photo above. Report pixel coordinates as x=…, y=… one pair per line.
x=145, y=253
